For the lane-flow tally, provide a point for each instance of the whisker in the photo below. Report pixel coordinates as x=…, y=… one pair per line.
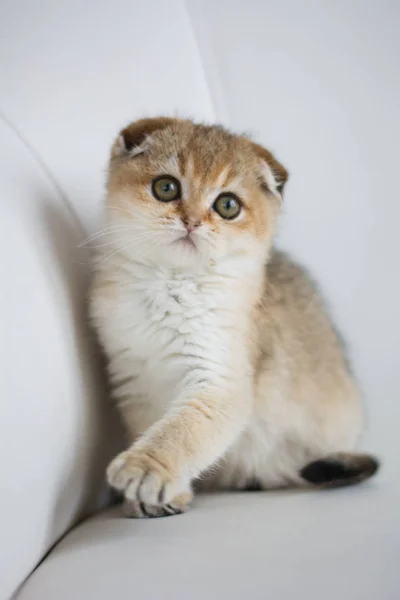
x=113, y=207
x=131, y=245
x=105, y=231
x=149, y=208
x=112, y=230
x=134, y=238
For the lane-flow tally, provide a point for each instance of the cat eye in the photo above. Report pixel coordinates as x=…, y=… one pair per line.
x=166, y=188
x=227, y=206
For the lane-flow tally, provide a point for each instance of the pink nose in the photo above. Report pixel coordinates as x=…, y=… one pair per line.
x=190, y=224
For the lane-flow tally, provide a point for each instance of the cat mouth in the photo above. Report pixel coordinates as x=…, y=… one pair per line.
x=186, y=241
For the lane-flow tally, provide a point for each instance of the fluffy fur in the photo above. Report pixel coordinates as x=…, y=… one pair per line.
x=224, y=364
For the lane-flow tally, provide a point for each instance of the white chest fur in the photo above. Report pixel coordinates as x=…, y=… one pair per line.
x=164, y=332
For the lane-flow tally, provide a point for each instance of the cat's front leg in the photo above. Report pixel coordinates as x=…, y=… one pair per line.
x=155, y=473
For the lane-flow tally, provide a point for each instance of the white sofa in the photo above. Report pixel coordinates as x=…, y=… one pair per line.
x=318, y=82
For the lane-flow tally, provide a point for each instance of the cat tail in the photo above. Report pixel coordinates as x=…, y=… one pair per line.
x=340, y=469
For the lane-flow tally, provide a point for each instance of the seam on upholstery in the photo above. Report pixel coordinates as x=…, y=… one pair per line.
x=213, y=82
x=45, y=169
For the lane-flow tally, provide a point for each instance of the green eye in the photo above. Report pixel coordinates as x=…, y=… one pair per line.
x=227, y=206
x=166, y=188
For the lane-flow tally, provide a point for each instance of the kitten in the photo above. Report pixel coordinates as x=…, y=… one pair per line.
x=224, y=364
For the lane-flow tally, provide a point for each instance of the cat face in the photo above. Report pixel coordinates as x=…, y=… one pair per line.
x=183, y=195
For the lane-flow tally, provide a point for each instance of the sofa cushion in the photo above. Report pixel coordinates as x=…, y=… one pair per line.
x=279, y=545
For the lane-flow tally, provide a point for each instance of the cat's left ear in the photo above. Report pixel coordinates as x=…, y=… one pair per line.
x=273, y=174
x=132, y=136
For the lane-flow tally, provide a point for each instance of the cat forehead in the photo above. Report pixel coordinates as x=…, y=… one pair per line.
x=209, y=158
x=192, y=172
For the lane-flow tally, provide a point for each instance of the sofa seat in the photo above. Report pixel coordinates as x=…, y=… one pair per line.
x=280, y=545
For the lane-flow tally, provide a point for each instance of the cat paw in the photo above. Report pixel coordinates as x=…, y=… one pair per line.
x=141, y=510
x=148, y=486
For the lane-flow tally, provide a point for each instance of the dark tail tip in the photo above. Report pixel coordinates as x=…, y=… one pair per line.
x=340, y=469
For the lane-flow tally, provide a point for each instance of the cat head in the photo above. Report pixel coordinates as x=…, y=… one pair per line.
x=182, y=194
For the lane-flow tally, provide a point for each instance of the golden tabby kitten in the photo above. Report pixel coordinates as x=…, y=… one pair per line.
x=224, y=364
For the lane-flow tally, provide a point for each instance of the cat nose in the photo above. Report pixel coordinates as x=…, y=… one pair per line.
x=190, y=224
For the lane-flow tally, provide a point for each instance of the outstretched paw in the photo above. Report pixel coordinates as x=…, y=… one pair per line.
x=149, y=487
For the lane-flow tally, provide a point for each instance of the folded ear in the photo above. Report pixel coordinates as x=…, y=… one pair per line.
x=134, y=135
x=274, y=174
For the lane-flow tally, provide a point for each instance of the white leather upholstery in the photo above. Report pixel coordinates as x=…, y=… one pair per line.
x=270, y=545
x=318, y=83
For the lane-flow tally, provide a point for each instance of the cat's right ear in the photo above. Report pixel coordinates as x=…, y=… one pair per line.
x=132, y=137
x=276, y=175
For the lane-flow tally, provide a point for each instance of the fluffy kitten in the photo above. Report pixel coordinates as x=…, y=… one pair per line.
x=223, y=361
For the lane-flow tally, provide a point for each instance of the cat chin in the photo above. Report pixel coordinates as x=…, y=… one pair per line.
x=183, y=258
